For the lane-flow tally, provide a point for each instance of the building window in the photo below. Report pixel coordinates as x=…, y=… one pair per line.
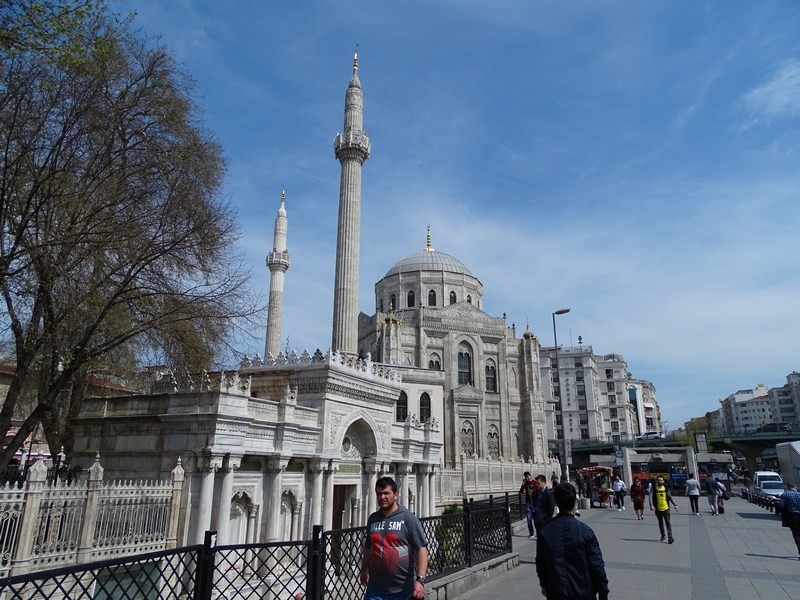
x=432, y=298
x=452, y=297
x=434, y=362
x=612, y=413
x=581, y=389
x=464, y=365
x=612, y=398
x=493, y=442
x=609, y=373
x=401, y=410
x=424, y=407
x=392, y=301
x=610, y=386
x=411, y=299
x=578, y=375
x=469, y=299
x=491, y=376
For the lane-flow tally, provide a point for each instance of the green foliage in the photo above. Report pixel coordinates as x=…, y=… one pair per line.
x=114, y=240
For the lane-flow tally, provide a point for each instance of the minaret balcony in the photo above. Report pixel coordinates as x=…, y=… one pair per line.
x=279, y=260
x=352, y=143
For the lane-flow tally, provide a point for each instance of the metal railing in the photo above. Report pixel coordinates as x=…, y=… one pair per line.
x=326, y=566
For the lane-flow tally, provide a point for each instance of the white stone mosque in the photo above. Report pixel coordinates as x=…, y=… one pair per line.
x=426, y=384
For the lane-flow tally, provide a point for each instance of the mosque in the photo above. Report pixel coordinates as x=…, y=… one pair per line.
x=424, y=384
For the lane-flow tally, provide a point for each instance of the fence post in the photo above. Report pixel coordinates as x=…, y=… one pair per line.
x=90, y=511
x=30, y=518
x=175, y=506
x=205, y=567
x=508, y=523
x=468, y=531
x=316, y=566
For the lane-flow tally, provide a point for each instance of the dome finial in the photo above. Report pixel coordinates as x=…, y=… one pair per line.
x=428, y=244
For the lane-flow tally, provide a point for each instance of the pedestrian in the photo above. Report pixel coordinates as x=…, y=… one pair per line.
x=395, y=558
x=554, y=479
x=637, y=497
x=619, y=493
x=722, y=492
x=569, y=562
x=693, y=491
x=712, y=489
x=545, y=504
x=790, y=512
x=660, y=500
x=529, y=488
x=580, y=485
x=748, y=484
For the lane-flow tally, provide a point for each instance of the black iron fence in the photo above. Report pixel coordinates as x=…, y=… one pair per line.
x=327, y=566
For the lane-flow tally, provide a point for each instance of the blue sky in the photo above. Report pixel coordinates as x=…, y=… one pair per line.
x=637, y=162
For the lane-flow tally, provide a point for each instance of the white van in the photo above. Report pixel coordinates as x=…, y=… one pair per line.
x=765, y=476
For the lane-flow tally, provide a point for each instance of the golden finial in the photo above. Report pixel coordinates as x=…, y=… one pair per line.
x=355, y=61
x=428, y=245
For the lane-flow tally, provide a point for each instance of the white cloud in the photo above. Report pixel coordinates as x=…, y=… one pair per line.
x=778, y=97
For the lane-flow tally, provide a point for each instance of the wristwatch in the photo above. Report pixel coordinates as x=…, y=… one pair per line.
x=421, y=579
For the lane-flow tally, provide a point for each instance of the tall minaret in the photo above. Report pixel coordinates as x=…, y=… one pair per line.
x=278, y=262
x=352, y=149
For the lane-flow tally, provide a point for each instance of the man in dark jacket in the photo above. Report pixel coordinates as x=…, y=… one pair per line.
x=569, y=562
x=544, y=505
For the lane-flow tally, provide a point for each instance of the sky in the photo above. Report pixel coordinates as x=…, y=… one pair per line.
x=637, y=162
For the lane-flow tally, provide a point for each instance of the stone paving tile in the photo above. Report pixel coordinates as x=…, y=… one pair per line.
x=742, y=555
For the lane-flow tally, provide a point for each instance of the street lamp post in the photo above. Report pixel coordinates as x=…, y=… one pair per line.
x=565, y=466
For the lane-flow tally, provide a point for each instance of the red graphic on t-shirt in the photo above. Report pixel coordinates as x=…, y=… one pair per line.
x=384, y=555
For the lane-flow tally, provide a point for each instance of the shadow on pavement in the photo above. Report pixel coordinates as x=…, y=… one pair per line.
x=759, y=516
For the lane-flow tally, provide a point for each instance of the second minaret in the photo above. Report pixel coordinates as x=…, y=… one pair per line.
x=352, y=149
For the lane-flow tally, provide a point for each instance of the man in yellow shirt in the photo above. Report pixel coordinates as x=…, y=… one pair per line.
x=660, y=499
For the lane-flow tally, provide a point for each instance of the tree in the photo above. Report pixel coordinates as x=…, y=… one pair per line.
x=114, y=239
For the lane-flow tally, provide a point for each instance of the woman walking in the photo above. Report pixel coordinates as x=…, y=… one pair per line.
x=619, y=493
x=637, y=497
x=693, y=491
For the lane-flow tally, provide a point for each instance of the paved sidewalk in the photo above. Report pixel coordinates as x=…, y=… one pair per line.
x=744, y=554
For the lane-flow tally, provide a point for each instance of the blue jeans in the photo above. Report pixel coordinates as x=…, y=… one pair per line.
x=371, y=594
x=529, y=516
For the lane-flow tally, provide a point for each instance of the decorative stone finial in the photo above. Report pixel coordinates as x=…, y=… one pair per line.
x=428, y=244
x=355, y=61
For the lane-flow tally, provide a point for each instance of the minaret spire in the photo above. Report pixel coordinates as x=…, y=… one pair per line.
x=278, y=262
x=351, y=147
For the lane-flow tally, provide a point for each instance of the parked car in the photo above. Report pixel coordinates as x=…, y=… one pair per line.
x=771, y=488
x=651, y=435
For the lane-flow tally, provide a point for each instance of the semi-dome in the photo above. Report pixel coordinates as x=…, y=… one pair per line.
x=428, y=260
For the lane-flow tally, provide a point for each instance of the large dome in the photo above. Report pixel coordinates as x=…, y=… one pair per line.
x=428, y=260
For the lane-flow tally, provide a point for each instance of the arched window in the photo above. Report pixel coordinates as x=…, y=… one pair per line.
x=464, y=365
x=467, y=438
x=432, y=298
x=424, y=407
x=391, y=302
x=434, y=362
x=452, y=297
x=411, y=299
x=493, y=442
x=491, y=376
x=469, y=299
x=401, y=409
